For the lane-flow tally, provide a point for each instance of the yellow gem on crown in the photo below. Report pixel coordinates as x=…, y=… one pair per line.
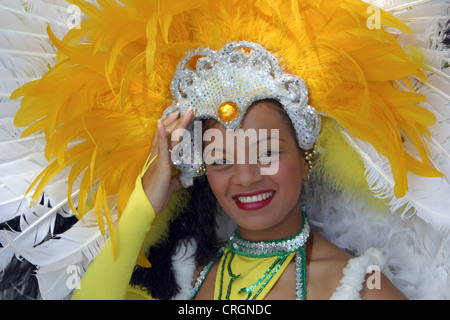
x=228, y=111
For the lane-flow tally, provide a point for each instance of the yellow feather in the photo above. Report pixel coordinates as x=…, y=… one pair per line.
x=143, y=261
x=339, y=165
x=109, y=221
x=151, y=42
x=98, y=210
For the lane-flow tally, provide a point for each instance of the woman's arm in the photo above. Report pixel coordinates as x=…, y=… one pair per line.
x=108, y=277
x=385, y=290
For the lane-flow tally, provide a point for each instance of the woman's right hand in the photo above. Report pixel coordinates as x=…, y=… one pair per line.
x=157, y=181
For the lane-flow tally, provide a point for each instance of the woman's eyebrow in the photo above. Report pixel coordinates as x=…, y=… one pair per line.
x=270, y=139
x=218, y=149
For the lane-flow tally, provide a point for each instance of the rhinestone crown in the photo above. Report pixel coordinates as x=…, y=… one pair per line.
x=225, y=83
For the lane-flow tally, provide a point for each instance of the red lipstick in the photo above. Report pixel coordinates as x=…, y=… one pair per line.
x=254, y=200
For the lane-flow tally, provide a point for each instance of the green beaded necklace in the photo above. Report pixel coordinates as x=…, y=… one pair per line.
x=263, y=249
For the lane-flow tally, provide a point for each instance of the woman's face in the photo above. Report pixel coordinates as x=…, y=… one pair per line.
x=263, y=204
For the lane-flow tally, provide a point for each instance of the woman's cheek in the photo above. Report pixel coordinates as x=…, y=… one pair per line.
x=290, y=174
x=216, y=182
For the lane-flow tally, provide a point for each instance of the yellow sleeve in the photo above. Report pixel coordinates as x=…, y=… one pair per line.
x=108, y=277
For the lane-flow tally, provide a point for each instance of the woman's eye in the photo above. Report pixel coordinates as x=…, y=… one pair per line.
x=268, y=156
x=221, y=161
x=268, y=153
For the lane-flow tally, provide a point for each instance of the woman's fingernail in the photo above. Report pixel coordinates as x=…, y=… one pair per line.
x=188, y=111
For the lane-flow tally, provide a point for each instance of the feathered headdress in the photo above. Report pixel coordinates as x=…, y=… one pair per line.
x=112, y=81
x=98, y=106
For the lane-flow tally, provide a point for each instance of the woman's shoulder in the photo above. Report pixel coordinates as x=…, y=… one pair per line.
x=326, y=266
x=336, y=274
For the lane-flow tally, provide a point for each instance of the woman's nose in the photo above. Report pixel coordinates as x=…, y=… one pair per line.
x=246, y=174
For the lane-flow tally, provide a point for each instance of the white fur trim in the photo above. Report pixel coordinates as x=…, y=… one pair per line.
x=354, y=274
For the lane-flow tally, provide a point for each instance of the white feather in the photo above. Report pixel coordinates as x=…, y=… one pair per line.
x=418, y=256
x=184, y=266
x=6, y=254
x=427, y=197
x=59, y=260
x=70, y=247
x=26, y=54
x=36, y=222
x=58, y=285
x=394, y=6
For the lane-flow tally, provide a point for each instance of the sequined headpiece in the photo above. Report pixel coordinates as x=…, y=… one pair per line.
x=225, y=83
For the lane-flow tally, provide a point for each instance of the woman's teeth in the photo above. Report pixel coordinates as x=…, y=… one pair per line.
x=255, y=198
